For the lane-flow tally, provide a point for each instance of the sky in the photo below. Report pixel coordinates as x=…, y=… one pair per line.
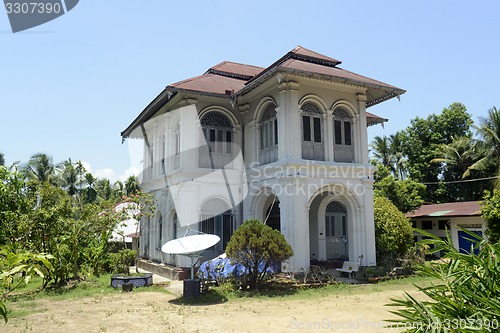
x=70, y=86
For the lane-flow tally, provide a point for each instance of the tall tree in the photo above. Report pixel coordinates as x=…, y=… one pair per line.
x=104, y=189
x=2, y=159
x=381, y=151
x=90, y=191
x=423, y=136
x=489, y=132
x=41, y=167
x=132, y=185
x=389, y=151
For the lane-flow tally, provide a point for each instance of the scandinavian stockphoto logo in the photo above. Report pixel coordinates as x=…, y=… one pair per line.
x=24, y=15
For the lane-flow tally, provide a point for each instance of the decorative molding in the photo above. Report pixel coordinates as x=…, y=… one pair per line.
x=188, y=101
x=244, y=108
x=361, y=98
x=288, y=86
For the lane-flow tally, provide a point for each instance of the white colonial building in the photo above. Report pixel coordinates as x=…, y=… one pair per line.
x=286, y=144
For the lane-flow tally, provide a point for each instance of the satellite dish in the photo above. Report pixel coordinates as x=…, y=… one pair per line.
x=190, y=245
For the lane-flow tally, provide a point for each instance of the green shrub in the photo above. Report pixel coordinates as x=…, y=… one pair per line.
x=258, y=247
x=393, y=231
x=121, y=261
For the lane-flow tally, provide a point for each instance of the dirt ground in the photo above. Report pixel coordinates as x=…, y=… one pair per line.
x=159, y=312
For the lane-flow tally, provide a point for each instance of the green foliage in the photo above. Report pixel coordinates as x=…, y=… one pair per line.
x=15, y=264
x=422, y=138
x=405, y=194
x=121, y=261
x=466, y=297
x=393, y=231
x=13, y=203
x=257, y=247
x=490, y=212
x=489, y=132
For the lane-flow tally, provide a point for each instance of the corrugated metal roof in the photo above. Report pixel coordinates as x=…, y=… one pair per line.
x=468, y=208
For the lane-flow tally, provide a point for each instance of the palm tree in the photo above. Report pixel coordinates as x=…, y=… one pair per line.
x=397, y=144
x=381, y=151
x=90, y=191
x=489, y=132
x=119, y=190
x=69, y=177
x=459, y=154
x=132, y=185
x=41, y=167
x=104, y=189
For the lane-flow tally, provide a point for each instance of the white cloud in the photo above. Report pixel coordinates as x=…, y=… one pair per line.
x=111, y=174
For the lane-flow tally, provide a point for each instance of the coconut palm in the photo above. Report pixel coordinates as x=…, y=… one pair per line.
x=90, y=191
x=381, y=150
x=104, y=189
x=460, y=154
x=118, y=190
x=400, y=162
x=489, y=132
x=389, y=152
x=132, y=185
x=41, y=167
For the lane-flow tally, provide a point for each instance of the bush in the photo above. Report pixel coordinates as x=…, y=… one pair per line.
x=121, y=261
x=393, y=231
x=490, y=212
x=467, y=296
x=258, y=247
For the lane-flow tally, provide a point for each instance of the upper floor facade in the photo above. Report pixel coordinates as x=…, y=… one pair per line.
x=303, y=109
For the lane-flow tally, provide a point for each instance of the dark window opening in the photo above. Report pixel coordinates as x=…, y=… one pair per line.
x=306, y=125
x=426, y=225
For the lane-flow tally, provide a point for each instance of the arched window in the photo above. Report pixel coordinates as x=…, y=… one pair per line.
x=217, y=219
x=312, y=132
x=343, y=147
x=218, y=133
x=269, y=135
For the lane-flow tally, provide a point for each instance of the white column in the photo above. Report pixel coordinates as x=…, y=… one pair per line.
x=289, y=126
x=363, y=128
x=190, y=133
x=295, y=224
x=369, y=257
x=328, y=120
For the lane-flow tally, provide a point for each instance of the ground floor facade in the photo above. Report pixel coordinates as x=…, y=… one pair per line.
x=325, y=212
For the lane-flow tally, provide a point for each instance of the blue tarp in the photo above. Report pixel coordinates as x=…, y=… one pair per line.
x=221, y=268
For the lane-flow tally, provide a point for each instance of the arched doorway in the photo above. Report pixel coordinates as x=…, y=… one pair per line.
x=336, y=235
x=273, y=217
x=218, y=220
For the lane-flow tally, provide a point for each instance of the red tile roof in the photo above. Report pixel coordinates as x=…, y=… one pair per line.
x=373, y=119
x=233, y=68
x=234, y=79
x=302, y=51
x=209, y=83
x=468, y=208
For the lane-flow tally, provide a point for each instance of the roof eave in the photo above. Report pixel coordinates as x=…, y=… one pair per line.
x=393, y=91
x=148, y=111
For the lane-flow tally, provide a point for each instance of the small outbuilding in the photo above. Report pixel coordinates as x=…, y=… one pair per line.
x=452, y=216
